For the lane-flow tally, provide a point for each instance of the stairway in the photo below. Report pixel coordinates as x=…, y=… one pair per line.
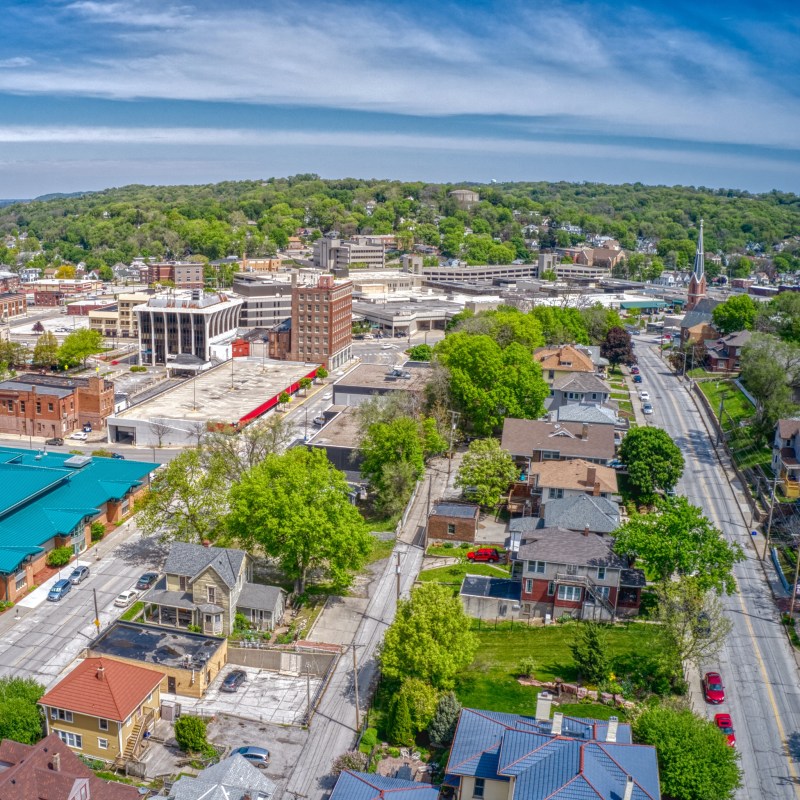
x=133, y=740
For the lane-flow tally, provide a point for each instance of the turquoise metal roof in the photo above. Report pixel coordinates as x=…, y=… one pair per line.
x=642, y=304
x=44, y=498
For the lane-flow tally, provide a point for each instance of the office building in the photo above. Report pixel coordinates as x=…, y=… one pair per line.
x=338, y=254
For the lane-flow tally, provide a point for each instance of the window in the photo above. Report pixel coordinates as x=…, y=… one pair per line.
x=538, y=567
x=20, y=581
x=183, y=583
x=569, y=593
x=212, y=594
x=555, y=494
x=478, y=789
x=572, y=569
x=103, y=724
x=550, y=455
x=38, y=406
x=451, y=528
x=603, y=591
x=49, y=406
x=551, y=588
x=22, y=406
x=528, y=585
x=601, y=573
x=59, y=713
x=102, y=743
x=71, y=739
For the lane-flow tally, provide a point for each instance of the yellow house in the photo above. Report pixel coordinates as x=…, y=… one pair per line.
x=103, y=708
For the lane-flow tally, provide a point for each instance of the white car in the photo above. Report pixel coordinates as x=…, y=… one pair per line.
x=126, y=598
x=327, y=396
x=644, y=395
x=80, y=435
x=387, y=346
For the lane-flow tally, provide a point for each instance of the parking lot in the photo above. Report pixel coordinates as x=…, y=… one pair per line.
x=264, y=697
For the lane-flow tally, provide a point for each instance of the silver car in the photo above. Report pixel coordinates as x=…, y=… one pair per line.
x=79, y=575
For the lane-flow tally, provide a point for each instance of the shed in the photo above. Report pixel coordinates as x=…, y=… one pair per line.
x=450, y=522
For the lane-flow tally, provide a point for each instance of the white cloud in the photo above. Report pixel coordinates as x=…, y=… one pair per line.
x=634, y=74
x=16, y=62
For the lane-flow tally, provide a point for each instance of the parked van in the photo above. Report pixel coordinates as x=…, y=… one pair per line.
x=58, y=590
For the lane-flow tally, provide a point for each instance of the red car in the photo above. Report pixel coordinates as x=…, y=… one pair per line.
x=634, y=370
x=489, y=554
x=725, y=724
x=713, y=689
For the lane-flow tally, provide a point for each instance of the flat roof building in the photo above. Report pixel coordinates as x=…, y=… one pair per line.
x=369, y=380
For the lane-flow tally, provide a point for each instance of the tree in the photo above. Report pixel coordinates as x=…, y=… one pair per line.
x=421, y=352
x=693, y=621
x=421, y=699
x=505, y=325
x=322, y=373
x=443, y=725
x=590, y=653
x=295, y=508
x=678, y=540
x=78, y=346
x=399, y=728
x=284, y=398
x=737, y=313
x=488, y=383
x=45, y=352
x=430, y=638
x=561, y=325
x=304, y=384
x=20, y=716
x=781, y=316
x=187, y=499
x=486, y=472
x=190, y=734
x=654, y=461
x=694, y=759
x=617, y=347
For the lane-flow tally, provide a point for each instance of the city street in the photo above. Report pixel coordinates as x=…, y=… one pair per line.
x=757, y=665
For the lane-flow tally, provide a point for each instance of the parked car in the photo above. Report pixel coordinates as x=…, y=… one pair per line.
x=327, y=396
x=634, y=370
x=146, y=581
x=80, y=435
x=637, y=378
x=79, y=574
x=233, y=680
x=257, y=756
x=725, y=724
x=490, y=554
x=647, y=408
x=616, y=464
x=58, y=590
x=118, y=456
x=644, y=395
x=319, y=420
x=56, y=441
x=126, y=598
x=713, y=690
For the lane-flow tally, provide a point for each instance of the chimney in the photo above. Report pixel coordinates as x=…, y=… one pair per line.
x=613, y=724
x=543, y=702
x=56, y=762
x=558, y=721
x=628, y=788
x=585, y=431
x=101, y=673
x=596, y=489
x=585, y=530
x=206, y=542
x=591, y=475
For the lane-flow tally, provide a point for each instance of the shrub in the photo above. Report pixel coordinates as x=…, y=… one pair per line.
x=443, y=724
x=421, y=699
x=352, y=759
x=98, y=531
x=240, y=622
x=394, y=752
x=102, y=453
x=399, y=727
x=136, y=368
x=190, y=734
x=527, y=667
x=370, y=737
x=194, y=629
x=59, y=557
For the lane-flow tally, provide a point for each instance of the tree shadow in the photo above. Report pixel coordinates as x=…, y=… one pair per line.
x=144, y=552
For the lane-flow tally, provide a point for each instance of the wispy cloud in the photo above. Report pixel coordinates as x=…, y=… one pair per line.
x=16, y=62
x=613, y=67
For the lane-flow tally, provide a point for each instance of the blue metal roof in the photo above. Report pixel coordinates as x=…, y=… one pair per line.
x=487, y=586
x=365, y=786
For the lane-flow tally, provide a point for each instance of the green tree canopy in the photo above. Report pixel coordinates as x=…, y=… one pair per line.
x=488, y=383
x=678, y=540
x=45, y=352
x=590, y=653
x=294, y=507
x=505, y=325
x=654, y=461
x=78, y=346
x=443, y=725
x=694, y=759
x=430, y=638
x=781, y=316
x=20, y=717
x=737, y=313
x=486, y=472
x=562, y=325
x=421, y=352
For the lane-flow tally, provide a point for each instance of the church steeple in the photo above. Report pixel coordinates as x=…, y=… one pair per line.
x=697, y=283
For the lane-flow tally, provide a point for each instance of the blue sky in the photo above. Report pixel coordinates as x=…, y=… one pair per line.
x=96, y=94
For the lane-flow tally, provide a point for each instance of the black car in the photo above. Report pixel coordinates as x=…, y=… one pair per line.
x=146, y=581
x=233, y=680
x=118, y=455
x=56, y=440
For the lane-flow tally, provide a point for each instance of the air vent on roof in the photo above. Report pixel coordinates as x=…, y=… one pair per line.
x=77, y=462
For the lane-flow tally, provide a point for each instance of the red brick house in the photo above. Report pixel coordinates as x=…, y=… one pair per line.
x=575, y=573
x=449, y=522
x=724, y=354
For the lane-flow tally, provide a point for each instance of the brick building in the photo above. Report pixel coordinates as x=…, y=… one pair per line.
x=12, y=305
x=450, y=522
x=322, y=322
x=184, y=274
x=50, y=406
x=55, y=292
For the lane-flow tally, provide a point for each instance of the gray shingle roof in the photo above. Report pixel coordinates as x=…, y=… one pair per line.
x=259, y=596
x=580, y=382
x=585, y=412
x=523, y=524
x=700, y=313
x=461, y=510
x=192, y=559
x=233, y=777
x=561, y=546
x=600, y=514
x=523, y=436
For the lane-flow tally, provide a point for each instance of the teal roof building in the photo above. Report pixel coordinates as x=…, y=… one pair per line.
x=47, y=497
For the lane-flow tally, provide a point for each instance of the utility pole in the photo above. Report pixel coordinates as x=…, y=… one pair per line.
x=96, y=612
x=794, y=587
x=454, y=415
x=397, y=573
x=355, y=687
x=308, y=696
x=769, y=520
x=719, y=427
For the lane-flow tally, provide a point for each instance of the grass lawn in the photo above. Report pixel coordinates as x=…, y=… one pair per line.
x=737, y=407
x=455, y=573
x=132, y=611
x=620, y=395
x=490, y=681
x=459, y=550
x=380, y=549
x=625, y=405
x=381, y=524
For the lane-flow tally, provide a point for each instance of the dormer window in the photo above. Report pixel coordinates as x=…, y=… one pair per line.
x=183, y=582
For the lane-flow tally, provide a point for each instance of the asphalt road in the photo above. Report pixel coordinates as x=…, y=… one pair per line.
x=757, y=665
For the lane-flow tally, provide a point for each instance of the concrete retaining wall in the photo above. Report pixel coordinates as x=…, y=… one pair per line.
x=284, y=661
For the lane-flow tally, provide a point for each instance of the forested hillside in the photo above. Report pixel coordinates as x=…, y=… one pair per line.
x=102, y=228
